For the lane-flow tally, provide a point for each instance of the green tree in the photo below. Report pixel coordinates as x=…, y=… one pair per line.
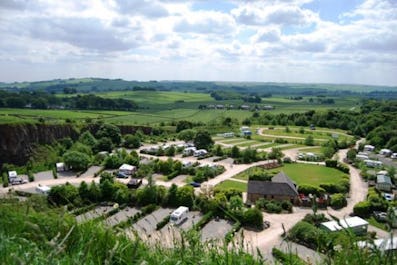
x=94, y=192
x=84, y=191
x=82, y=148
x=63, y=194
x=183, y=125
x=185, y=196
x=203, y=140
x=351, y=154
x=104, y=144
x=113, y=161
x=170, y=151
x=76, y=160
x=218, y=150
x=235, y=152
x=88, y=139
x=107, y=190
x=187, y=135
x=236, y=203
x=253, y=217
x=172, y=196
x=110, y=131
x=132, y=141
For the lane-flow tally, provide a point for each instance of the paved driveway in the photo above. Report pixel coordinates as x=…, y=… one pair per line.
x=44, y=175
x=215, y=230
x=147, y=225
x=98, y=211
x=91, y=171
x=121, y=216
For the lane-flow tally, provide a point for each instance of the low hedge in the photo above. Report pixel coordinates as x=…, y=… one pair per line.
x=203, y=221
x=285, y=258
x=163, y=222
x=229, y=235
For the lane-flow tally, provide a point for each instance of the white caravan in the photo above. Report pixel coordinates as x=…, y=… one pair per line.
x=179, y=215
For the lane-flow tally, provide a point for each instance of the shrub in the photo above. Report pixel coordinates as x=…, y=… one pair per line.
x=315, y=219
x=163, y=222
x=253, y=217
x=204, y=220
x=287, y=258
x=331, y=163
x=286, y=205
x=309, y=189
x=172, y=175
x=308, y=235
x=362, y=209
x=30, y=176
x=338, y=201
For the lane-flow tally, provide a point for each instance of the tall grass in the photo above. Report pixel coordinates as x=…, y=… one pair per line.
x=32, y=233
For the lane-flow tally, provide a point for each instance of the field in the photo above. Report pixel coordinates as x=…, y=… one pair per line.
x=301, y=174
x=118, y=117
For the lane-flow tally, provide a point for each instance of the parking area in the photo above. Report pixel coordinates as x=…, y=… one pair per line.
x=97, y=212
x=215, y=230
x=91, y=171
x=192, y=219
x=147, y=225
x=121, y=216
x=44, y=175
x=66, y=174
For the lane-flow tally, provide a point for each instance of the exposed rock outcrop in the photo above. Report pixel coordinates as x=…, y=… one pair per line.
x=18, y=140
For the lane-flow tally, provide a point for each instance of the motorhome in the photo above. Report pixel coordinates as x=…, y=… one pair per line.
x=369, y=147
x=179, y=215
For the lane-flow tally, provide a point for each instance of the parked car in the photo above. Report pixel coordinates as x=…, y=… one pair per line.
x=380, y=216
x=195, y=184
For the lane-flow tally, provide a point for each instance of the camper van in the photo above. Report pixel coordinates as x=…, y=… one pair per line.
x=179, y=215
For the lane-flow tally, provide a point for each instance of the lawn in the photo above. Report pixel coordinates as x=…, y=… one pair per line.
x=315, y=150
x=301, y=173
x=230, y=184
x=312, y=174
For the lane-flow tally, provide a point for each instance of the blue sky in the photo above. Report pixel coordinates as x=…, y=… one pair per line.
x=308, y=41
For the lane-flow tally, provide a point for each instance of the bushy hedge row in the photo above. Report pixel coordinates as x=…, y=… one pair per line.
x=285, y=258
x=163, y=222
x=273, y=206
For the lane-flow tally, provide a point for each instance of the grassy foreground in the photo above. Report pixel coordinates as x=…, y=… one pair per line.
x=32, y=233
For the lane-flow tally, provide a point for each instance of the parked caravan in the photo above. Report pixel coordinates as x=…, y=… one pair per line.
x=179, y=215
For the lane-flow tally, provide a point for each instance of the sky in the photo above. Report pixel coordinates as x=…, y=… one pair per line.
x=296, y=41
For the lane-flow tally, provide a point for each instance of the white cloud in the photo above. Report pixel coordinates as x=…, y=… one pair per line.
x=264, y=14
x=272, y=40
x=206, y=23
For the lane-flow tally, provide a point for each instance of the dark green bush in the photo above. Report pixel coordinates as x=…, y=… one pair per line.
x=163, y=222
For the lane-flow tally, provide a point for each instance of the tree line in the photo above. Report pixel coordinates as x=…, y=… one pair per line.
x=376, y=120
x=43, y=100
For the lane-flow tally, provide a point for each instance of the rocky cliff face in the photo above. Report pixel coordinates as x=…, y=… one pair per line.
x=18, y=140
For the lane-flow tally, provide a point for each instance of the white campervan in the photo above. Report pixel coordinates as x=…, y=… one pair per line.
x=179, y=215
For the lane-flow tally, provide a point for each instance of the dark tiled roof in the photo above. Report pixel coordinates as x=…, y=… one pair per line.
x=281, y=184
